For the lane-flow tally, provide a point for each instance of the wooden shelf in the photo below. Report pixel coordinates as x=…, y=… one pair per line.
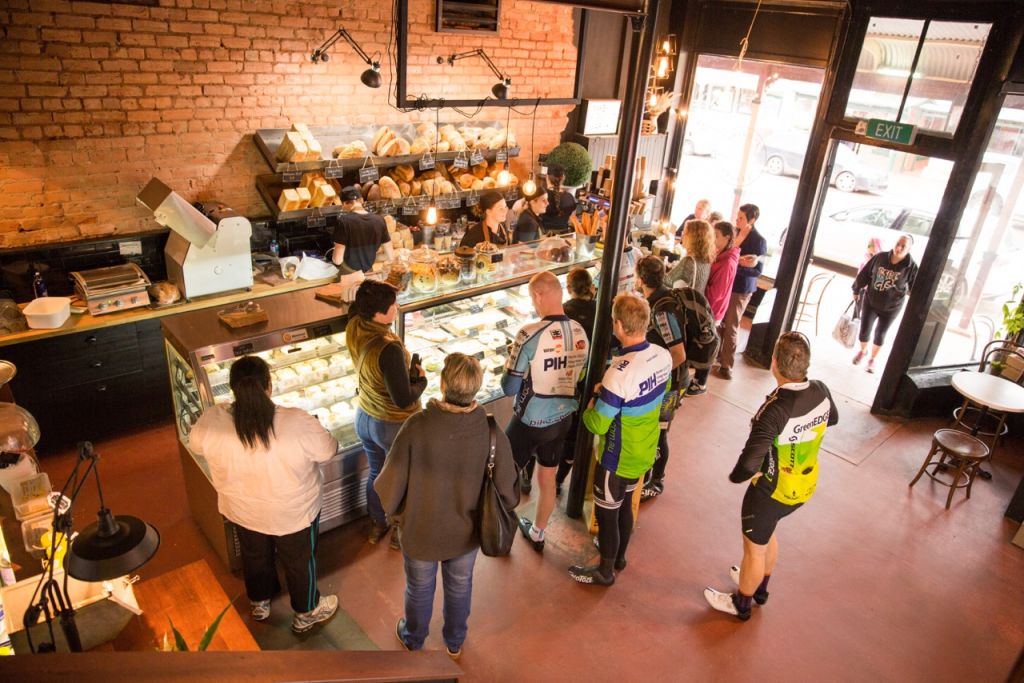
x=329, y=137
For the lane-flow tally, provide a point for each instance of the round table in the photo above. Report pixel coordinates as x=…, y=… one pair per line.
x=990, y=392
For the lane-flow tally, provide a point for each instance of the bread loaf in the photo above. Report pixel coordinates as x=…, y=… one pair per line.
x=305, y=197
x=403, y=147
x=466, y=180
x=405, y=188
x=352, y=150
x=289, y=200
x=480, y=171
x=477, y=184
x=417, y=188
x=164, y=293
x=292, y=148
x=443, y=146
x=403, y=173
x=429, y=187
x=389, y=188
x=446, y=187
x=420, y=146
x=489, y=182
x=380, y=138
x=323, y=195
x=373, y=194
x=426, y=130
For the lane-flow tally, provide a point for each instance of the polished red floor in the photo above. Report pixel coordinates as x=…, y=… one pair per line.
x=875, y=581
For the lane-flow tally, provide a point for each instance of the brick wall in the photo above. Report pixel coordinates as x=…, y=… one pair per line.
x=95, y=98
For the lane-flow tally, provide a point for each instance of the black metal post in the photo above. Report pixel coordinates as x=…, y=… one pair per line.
x=641, y=51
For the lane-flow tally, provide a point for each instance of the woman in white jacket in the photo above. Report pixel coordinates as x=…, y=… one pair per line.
x=263, y=461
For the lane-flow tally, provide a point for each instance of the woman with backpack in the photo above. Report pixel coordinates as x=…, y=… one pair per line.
x=718, y=290
x=694, y=268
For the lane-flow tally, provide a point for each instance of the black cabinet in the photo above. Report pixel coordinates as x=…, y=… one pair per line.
x=93, y=384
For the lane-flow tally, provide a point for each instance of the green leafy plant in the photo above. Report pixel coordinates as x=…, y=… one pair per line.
x=576, y=161
x=1013, y=314
x=180, y=645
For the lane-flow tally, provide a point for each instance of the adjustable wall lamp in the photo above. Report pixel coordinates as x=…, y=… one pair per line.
x=370, y=77
x=500, y=89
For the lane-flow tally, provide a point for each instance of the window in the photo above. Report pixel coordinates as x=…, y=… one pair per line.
x=939, y=82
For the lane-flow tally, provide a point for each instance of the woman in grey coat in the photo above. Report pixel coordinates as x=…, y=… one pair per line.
x=430, y=486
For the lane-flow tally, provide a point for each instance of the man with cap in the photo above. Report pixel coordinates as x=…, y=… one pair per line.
x=359, y=235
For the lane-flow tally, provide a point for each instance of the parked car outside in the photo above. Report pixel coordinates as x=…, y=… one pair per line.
x=785, y=156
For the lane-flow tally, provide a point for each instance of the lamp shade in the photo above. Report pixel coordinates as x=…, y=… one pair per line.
x=371, y=77
x=19, y=431
x=500, y=90
x=111, y=547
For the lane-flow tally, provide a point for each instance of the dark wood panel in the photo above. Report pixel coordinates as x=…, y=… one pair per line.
x=68, y=347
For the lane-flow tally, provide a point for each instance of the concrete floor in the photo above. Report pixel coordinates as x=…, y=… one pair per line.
x=875, y=581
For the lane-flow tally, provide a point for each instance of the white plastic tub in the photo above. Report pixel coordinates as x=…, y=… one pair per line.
x=47, y=312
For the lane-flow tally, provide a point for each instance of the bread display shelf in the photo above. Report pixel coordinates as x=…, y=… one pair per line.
x=269, y=139
x=271, y=185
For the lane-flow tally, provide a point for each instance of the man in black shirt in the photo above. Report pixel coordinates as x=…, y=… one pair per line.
x=359, y=235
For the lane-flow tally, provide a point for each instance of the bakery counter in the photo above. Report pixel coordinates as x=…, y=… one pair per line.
x=86, y=322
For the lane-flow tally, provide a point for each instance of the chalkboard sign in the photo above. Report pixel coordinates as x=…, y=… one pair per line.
x=601, y=117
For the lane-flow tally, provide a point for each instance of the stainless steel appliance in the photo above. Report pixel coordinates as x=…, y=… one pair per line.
x=115, y=288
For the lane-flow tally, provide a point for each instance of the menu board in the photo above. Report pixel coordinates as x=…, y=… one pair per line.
x=601, y=117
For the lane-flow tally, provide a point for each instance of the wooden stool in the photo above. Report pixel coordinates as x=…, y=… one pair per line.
x=966, y=454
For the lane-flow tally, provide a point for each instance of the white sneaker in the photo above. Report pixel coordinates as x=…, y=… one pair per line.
x=327, y=608
x=734, y=574
x=260, y=609
x=723, y=603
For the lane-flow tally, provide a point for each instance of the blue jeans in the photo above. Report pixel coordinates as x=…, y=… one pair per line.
x=420, y=579
x=376, y=437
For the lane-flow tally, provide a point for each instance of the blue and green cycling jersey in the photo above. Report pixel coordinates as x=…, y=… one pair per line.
x=625, y=413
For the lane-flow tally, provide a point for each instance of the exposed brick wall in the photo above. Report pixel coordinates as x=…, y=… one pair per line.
x=95, y=99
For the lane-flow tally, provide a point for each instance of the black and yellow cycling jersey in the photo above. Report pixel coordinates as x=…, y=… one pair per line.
x=785, y=435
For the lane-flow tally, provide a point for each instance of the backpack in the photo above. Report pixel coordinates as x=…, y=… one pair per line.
x=699, y=329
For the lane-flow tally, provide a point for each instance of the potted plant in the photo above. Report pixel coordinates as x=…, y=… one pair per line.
x=576, y=161
x=1007, y=364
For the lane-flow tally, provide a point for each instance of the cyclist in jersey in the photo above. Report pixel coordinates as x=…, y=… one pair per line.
x=546, y=361
x=625, y=415
x=781, y=460
x=668, y=322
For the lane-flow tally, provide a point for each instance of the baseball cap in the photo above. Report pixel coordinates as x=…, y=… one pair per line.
x=351, y=194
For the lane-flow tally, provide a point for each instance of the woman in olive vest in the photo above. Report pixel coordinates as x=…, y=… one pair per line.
x=389, y=385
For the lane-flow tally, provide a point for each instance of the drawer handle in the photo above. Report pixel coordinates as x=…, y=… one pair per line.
x=91, y=339
x=96, y=364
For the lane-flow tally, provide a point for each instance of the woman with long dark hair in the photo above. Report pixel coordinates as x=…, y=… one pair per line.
x=263, y=461
x=492, y=211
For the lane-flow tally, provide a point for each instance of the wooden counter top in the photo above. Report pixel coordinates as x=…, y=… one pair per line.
x=86, y=322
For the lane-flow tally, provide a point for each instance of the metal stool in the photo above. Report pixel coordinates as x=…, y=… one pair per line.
x=965, y=453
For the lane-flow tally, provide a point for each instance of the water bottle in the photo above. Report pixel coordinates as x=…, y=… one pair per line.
x=275, y=249
x=39, y=285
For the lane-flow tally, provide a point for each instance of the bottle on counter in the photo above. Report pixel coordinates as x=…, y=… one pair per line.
x=39, y=285
x=275, y=249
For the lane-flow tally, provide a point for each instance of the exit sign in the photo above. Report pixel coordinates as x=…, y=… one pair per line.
x=889, y=131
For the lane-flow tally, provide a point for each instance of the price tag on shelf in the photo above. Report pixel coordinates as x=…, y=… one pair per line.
x=514, y=151
x=501, y=324
x=334, y=170
x=317, y=220
x=291, y=174
x=387, y=208
x=477, y=157
x=426, y=162
x=460, y=161
x=501, y=154
x=472, y=200
x=368, y=173
x=410, y=207
x=475, y=308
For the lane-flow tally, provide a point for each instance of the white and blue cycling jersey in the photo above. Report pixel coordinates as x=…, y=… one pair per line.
x=547, y=360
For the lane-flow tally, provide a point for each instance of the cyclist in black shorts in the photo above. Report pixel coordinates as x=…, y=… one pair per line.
x=781, y=460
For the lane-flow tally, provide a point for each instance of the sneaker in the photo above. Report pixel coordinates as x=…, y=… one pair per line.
x=724, y=372
x=591, y=575
x=858, y=358
x=734, y=574
x=723, y=603
x=399, y=627
x=395, y=542
x=326, y=609
x=376, y=532
x=696, y=389
x=648, y=492
x=259, y=609
x=871, y=365
x=454, y=653
x=524, y=526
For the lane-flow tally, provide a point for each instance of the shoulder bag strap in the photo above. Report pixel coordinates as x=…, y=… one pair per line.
x=492, y=429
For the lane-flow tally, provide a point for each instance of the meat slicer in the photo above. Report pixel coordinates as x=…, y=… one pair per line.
x=207, y=251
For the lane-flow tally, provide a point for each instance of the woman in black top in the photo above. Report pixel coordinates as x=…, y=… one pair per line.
x=561, y=204
x=492, y=211
x=888, y=276
x=528, y=225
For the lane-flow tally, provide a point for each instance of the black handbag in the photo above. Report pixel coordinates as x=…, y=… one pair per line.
x=498, y=526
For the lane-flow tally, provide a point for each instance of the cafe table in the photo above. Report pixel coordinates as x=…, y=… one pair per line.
x=988, y=392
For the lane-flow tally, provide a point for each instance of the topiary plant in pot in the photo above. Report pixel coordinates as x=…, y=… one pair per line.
x=576, y=161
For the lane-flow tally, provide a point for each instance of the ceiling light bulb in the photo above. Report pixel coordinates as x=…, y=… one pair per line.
x=652, y=100
x=503, y=178
x=530, y=186
x=663, y=67
x=665, y=47
x=432, y=215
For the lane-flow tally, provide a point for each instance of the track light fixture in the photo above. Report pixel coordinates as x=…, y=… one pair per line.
x=370, y=77
x=500, y=89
